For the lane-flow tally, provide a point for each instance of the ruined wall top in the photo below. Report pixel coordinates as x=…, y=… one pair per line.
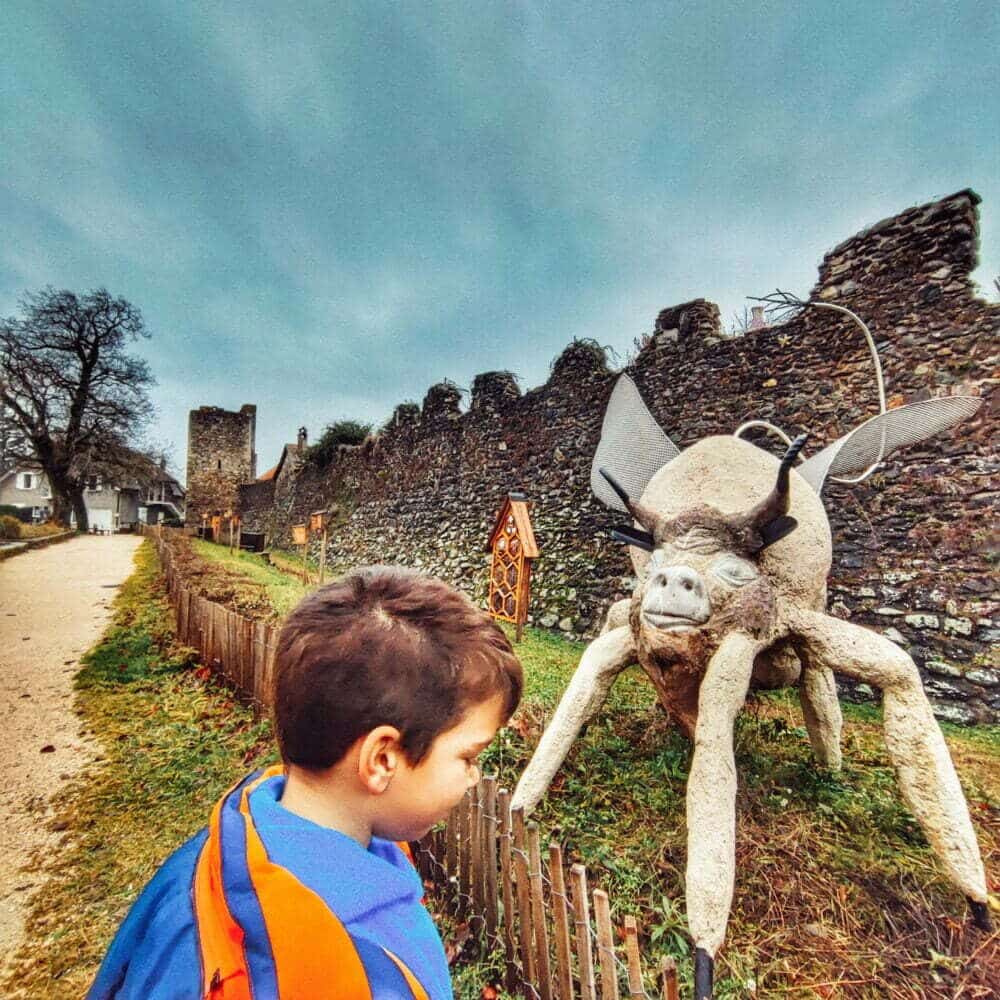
x=932, y=246
x=698, y=319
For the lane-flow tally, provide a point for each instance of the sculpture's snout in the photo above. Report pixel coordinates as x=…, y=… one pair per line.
x=676, y=597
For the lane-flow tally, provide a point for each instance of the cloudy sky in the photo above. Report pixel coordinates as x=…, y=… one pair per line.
x=323, y=208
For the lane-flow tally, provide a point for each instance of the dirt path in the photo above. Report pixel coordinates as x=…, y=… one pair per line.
x=54, y=604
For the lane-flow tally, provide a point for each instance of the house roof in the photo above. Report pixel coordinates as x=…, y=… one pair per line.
x=269, y=475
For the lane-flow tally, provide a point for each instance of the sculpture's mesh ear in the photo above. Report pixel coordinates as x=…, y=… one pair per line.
x=852, y=457
x=633, y=447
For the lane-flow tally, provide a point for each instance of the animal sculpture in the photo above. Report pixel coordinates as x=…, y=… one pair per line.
x=732, y=549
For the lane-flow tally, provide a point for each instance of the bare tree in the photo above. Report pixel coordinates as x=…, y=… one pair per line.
x=72, y=389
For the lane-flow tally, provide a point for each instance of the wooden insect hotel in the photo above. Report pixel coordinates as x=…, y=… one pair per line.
x=512, y=546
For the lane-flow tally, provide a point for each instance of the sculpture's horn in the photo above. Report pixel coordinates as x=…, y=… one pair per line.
x=644, y=515
x=775, y=505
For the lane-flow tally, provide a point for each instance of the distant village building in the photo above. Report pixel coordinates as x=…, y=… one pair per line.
x=111, y=505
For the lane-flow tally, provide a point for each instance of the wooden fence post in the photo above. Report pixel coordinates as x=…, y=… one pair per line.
x=668, y=968
x=490, y=853
x=464, y=854
x=506, y=876
x=605, y=945
x=475, y=858
x=581, y=910
x=632, y=951
x=538, y=913
x=560, y=923
x=523, y=899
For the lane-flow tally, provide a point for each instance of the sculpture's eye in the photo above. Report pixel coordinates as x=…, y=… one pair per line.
x=735, y=571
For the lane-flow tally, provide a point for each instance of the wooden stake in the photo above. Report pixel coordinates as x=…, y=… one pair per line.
x=475, y=889
x=560, y=923
x=581, y=912
x=490, y=855
x=634, y=965
x=523, y=898
x=605, y=945
x=506, y=876
x=451, y=845
x=668, y=969
x=464, y=855
x=538, y=913
x=322, y=557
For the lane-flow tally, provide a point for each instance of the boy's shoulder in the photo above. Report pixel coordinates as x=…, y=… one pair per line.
x=154, y=955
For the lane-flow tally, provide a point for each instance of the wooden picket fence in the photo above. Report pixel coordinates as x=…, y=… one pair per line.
x=240, y=650
x=485, y=862
x=487, y=866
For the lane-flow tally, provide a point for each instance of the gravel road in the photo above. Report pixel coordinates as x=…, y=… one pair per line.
x=54, y=604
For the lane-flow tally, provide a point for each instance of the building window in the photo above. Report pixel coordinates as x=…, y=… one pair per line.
x=25, y=481
x=93, y=483
x=218, y=465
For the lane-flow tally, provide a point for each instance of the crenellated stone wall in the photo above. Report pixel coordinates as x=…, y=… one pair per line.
x=914, y=556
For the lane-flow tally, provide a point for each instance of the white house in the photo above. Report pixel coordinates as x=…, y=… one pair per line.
x=109, y=507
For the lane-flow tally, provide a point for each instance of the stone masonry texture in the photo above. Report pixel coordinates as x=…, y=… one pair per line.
x=220, y=458
x=913, y=552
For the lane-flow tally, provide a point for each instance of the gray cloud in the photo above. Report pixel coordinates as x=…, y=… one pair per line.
x=324, y=210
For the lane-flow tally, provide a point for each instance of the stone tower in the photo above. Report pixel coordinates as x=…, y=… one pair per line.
x=220, y=457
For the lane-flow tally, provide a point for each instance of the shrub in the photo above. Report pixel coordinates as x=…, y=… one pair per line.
x=23, y=514
x=10, y=527
x=323, y=451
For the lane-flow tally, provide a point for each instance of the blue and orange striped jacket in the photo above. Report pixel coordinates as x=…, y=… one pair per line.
x=264, y=904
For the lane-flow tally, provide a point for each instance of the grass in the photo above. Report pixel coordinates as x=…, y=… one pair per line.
x=283, y=590
x=171, y=743
x=42, y=530
x=835, y=883
x=837, y=894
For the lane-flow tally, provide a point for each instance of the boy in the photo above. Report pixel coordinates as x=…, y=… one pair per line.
x=387, y=686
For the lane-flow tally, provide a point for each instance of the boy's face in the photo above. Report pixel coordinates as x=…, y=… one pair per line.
x=421, y=796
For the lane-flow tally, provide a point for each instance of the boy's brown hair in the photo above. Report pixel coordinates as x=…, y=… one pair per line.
x=385, y=646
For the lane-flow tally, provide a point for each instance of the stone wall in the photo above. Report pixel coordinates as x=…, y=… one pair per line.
x=256, y=503
x=220, y=457
x=912, y=555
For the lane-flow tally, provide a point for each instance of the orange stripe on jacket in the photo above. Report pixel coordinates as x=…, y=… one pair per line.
x=313, y=951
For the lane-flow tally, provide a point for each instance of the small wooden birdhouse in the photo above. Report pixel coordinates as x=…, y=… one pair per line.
x=318, y=520
x=513, y=547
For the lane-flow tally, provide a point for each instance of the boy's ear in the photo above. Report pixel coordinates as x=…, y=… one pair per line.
x=379, y=756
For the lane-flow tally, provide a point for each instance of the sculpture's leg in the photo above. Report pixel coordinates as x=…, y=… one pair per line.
x=711, y=803
x=821, y=710
x=919, y=753
x=617, y=615
x=603, y=660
